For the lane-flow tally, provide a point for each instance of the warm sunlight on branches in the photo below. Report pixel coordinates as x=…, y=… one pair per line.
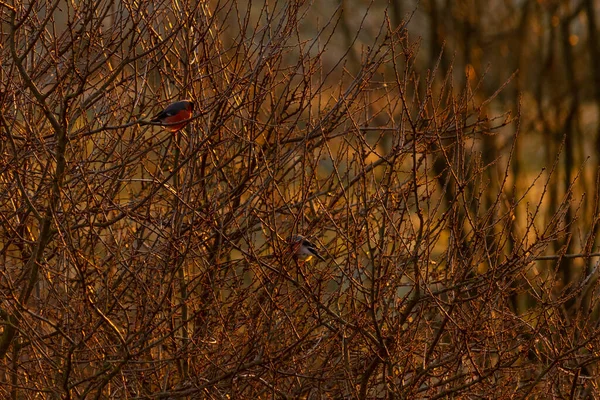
x=141, y=263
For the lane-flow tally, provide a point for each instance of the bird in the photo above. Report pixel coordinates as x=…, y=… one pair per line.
x=303, y=249
x=175, y=112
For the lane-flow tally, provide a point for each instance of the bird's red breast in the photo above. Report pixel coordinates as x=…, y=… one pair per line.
x=182, y=115
x=175, y=112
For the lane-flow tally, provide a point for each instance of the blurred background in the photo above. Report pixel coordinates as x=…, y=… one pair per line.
x=442, y=155
x=537, y=59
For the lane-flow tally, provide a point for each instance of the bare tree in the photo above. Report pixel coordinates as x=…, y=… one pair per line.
x=139, y=263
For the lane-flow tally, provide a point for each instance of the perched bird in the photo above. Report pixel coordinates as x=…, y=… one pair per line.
x=304, y=250
x=175, y=112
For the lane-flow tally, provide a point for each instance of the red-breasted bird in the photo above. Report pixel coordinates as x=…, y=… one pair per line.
x=175, y=112
x=304, y=250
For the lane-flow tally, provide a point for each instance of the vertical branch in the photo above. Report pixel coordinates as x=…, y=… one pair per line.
x=570, y=132
x=31, y=268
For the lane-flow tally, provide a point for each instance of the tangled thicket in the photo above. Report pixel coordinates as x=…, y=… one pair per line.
x=141, y=264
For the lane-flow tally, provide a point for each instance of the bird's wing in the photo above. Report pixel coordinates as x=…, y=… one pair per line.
x=306, y=243
x=313, y=249
x=163, y=114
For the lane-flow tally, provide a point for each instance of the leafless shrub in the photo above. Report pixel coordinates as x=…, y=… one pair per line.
x=141, y=264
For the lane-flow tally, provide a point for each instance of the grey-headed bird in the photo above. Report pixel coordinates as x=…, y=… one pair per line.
x=303, y=249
